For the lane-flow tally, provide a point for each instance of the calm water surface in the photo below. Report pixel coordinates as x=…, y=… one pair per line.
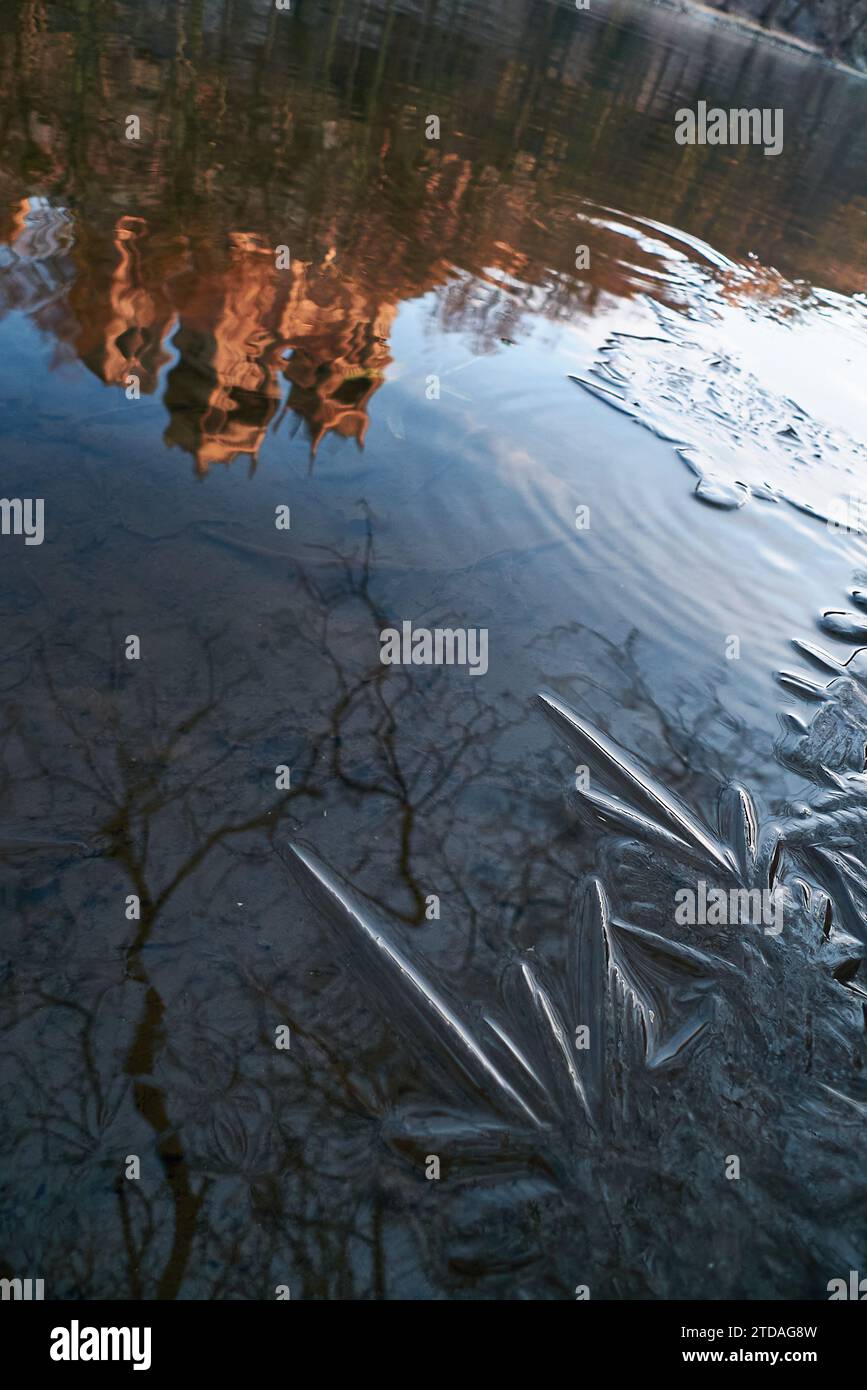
x=432, y=388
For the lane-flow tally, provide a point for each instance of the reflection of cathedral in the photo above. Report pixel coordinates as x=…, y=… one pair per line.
x=339, y=356
x=139, y=260
x=155, y=274
x=307, y=325
x=237, y=328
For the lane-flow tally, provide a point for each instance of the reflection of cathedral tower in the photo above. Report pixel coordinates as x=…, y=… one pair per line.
x=214, y=415
x=237, y=335
x=238, y=325
x=223, y=392
x=339, y=343
x=122, y=325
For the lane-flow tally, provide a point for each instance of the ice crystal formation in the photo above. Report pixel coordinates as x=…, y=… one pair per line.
x=695, y=1037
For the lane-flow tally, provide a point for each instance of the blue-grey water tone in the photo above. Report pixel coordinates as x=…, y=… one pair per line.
x=639, y=470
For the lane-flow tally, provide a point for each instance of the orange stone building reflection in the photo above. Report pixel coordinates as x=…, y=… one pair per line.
x=235, y=340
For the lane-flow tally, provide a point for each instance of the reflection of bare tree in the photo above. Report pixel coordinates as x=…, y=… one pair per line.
x=158, y=787
x=156, y=1037
x=412, y=777
x=140, y=778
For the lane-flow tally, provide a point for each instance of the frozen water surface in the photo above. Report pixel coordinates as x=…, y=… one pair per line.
x=641, y=478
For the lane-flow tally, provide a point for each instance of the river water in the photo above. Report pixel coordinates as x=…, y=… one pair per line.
x=637, y=467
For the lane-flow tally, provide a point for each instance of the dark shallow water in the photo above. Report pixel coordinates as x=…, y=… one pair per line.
x=700, y=387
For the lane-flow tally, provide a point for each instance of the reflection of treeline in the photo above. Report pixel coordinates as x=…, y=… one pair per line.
x=254, y=118
x=310, y=128
x=261, y=128
x=837, y=26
